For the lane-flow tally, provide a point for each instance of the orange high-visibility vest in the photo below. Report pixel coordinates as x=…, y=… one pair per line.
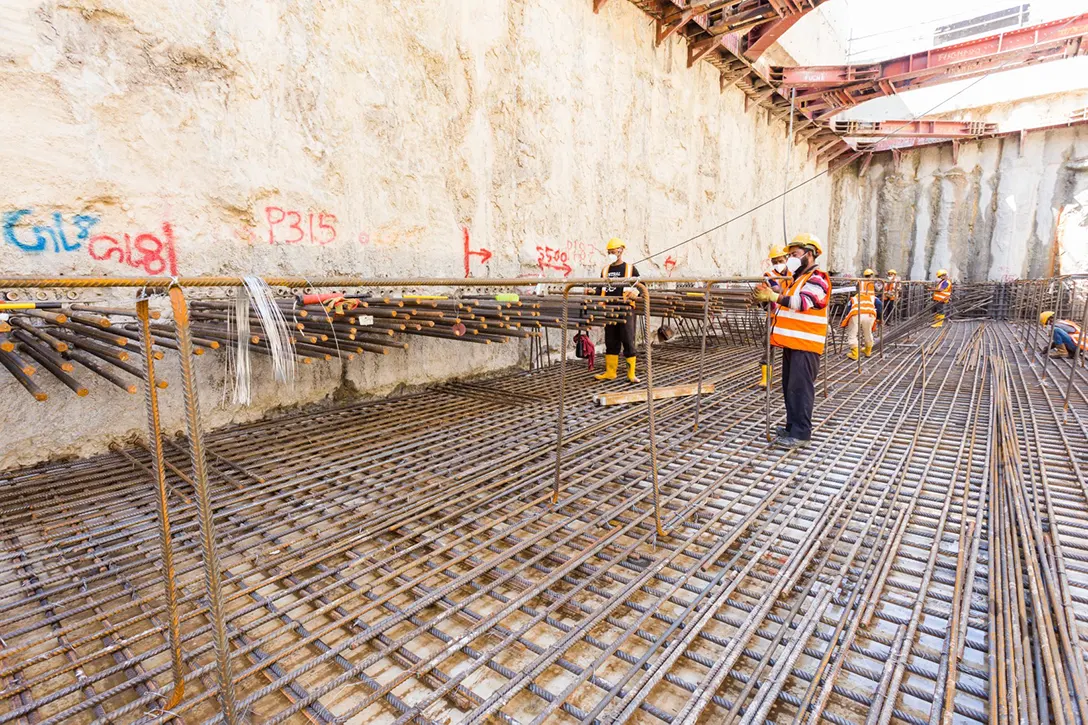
x=866, y=307
x=943, y=293
x=868, y=287
x=799, y=330
x=1078, y=337
x=891, y=290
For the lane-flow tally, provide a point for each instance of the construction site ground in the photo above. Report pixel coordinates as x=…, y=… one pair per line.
x=401, y=560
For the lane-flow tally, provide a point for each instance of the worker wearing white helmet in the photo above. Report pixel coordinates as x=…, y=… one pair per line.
x=799, y=327
x=778, y=279
x=942, y=295
x=618, y=335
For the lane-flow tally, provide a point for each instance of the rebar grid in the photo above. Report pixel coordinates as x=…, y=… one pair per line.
x=401, y=560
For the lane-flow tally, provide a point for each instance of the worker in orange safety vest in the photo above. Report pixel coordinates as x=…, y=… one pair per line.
x=618, y=336
x=942, y=295
x=799, y=328
x=860, y=317
x=890, y=295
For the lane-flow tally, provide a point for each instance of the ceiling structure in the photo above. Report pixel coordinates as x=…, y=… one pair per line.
x=732, y=35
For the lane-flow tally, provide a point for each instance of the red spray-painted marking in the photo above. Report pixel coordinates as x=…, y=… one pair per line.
x=483, y=254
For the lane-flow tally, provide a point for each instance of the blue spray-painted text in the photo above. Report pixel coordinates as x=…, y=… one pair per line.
x=48, y=237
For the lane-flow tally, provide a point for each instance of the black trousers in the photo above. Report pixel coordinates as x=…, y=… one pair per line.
x=889, y=305
x=799, y=372
x=620, y=335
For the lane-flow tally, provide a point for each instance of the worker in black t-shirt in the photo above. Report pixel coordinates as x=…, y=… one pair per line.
x=618, y=334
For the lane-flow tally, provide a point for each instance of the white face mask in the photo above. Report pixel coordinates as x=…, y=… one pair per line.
x=780, y=267
x=612, y=259
x=793, y=264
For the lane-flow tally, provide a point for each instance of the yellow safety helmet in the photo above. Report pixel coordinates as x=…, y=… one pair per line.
x=806, y=240
x=868, y=273
x=777, y=251
x=891, y=272
x=1044, y=317
x=942, y=273
x=615, y=243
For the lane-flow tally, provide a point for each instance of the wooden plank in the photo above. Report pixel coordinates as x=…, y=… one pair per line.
x=639, y=396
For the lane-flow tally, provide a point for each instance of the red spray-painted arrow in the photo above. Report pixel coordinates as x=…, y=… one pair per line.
x=483, y=254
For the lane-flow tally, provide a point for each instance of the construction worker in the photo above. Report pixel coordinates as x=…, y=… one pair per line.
x=778, y=279
x=1066, y=335
x=799, y=327
x=860, y=315
x=890, y=294
x=942, y=295
x=868, y=287
x=618, y=335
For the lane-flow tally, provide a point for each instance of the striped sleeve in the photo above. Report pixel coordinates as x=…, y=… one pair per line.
x=813, y=295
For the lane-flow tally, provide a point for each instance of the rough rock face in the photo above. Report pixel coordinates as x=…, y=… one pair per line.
x=994, y=213
x=312, y=138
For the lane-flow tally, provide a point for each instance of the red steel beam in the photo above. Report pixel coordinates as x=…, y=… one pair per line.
x=825, y=90
x=893, y=144
x=758, y=40
x=917, y=128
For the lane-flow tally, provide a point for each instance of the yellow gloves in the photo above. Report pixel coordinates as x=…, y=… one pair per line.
x=764, y=293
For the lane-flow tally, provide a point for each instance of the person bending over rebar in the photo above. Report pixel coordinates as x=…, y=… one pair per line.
x=777, y=278
x=799, y=327
x=618, y=335
x=1066, y=335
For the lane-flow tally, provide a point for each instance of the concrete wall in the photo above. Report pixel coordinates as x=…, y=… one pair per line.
x=990, y=215
x=374, y=139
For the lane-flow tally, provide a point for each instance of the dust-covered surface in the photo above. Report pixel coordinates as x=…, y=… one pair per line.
x=333, y=138
x=992, y=213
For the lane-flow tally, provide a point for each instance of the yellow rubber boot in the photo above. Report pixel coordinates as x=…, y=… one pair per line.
x=631, y=370
x=868, y=350
x=766, y=377
x=938, y=321
x=853, y=354
x=611, y=364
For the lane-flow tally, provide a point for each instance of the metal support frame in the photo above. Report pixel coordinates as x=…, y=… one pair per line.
x=213, y=578
x=154, y=442
x=647, y=340
x=827, y=90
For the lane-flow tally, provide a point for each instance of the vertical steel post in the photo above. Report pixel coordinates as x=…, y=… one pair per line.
x=702, y=355
x=650, y=410
x=212, y=574
x=880, y=321
x=154, y=442
x=562, y=393
x=858, y=317
x=1080, y=350
x=768, y=323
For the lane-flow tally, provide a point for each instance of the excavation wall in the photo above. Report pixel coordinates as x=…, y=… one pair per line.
x=1005, y=208
x=440, y=138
